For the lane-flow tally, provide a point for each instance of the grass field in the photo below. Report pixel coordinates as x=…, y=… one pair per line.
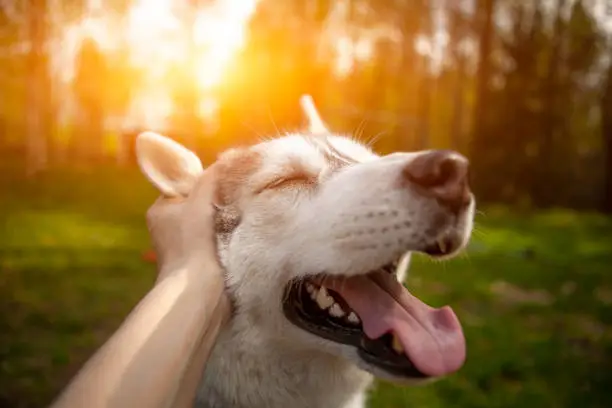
x=534, y=293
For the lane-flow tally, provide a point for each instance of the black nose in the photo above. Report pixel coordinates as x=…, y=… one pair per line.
x=442, y=174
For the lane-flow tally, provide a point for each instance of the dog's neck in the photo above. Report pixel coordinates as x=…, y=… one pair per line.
x=248, y=369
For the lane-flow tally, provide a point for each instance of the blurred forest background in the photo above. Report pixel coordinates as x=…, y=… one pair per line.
x=522, y=87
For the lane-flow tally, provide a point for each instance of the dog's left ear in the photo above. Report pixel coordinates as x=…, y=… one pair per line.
x=172, y=168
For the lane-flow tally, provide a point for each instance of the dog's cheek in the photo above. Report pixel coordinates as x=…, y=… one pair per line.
x=227, y=220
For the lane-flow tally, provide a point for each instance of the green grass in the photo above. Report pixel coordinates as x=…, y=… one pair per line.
x=534, y=293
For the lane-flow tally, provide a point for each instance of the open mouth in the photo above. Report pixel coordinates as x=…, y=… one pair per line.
x=390, y=328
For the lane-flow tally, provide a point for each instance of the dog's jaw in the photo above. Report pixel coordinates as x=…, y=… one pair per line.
x=250, y=368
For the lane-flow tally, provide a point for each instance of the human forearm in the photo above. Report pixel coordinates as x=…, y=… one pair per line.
x=188, y=386
x=144, y=361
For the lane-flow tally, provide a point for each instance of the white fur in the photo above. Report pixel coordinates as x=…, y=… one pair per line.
x=351, y=221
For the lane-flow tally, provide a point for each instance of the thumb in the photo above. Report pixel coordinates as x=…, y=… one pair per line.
x=204, y=192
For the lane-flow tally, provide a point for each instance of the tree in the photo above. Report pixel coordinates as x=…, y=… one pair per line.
x=123, y=83
x=90, y=87
x=458, y=32
x=12, y=75
x=606, y=128
x=485, y=30
x=413, y=19
x=426, y=84
x=39, y=88
x=186, y=120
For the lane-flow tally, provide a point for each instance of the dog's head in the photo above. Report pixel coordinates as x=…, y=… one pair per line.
x=315, y=232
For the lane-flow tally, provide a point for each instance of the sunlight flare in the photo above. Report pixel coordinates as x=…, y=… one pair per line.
x=169, y=44
x=159, y=37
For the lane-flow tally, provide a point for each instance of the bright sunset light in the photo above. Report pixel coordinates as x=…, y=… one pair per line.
x=158, y=36
x=159, y=40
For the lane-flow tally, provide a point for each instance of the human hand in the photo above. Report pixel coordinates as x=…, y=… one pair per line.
x=182, y=228
x=165, y=342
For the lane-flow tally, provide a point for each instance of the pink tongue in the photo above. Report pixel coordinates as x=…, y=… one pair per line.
x=431, y=338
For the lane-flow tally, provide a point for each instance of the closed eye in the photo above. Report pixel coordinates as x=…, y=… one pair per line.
x=286, y=181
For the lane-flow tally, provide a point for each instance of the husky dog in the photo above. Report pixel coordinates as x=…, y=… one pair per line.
x=315, y=232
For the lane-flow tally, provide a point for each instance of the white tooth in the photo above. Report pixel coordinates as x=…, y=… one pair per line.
x=336, y=310
x=352, y=317
x=323, y=299
x=309, y=287
x=442, y=245
x=396, y=345
x=314, y=293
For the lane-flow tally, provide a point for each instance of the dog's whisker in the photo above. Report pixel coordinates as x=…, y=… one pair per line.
x=358, y=132
x=370, y=143
x=480, y=232
x=278, y=133
x=262, y=137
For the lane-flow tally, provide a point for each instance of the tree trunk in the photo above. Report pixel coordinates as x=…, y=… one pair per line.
x=38, y=88
x=457, y=123
x=483, y=73
x=457, y=33
x=606, y=115
x=425, y=91
x=544, y=191
x=412, y=76
x=479, y=148
x=402, y=133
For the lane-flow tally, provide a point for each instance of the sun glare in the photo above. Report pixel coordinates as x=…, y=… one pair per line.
x=219, y=29
x=219, y=32
x=172, y=45
x=158, y=35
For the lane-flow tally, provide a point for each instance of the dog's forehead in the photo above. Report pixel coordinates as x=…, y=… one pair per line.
x=299, y=150
x=250, y=168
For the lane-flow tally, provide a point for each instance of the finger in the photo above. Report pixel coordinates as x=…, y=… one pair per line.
x=199, y=201
x=161, y=207
x=205, y=188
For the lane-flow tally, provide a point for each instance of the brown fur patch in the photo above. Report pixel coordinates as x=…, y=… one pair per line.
x=236, y=166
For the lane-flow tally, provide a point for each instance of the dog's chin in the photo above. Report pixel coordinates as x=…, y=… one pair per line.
x=316, y=305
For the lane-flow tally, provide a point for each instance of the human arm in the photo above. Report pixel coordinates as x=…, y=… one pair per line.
x=155, y=359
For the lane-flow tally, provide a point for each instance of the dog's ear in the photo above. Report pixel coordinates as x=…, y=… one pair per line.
x=171, y=167
x=316, y=126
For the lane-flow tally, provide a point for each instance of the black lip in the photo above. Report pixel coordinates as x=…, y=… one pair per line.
x=375, y=353
x=301, y=311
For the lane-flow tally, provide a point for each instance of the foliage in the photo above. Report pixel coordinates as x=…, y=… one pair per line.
x=523, y=107
x=542, y=111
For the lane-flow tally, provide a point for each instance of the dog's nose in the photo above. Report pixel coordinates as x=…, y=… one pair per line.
x=442, y=174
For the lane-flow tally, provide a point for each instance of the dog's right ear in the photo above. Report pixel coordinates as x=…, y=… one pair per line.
x=316, y=126
x=172, y=168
